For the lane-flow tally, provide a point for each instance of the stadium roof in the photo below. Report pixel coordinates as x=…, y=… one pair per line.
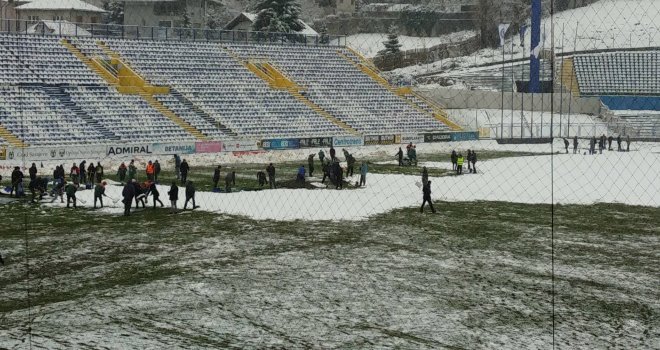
x=76, y=5
x=251, y=17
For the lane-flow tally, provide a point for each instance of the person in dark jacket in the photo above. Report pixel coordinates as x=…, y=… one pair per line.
x=230, y=179
x=339, y=173
x=190, y=195
x=627, y=143
x=83, y=171
x=425, y=176
x=16, y=180
x=350, y=163
x=216, y=177
x=325, y=167
x=270, y=170
x=99, y=193
x=121, y=172
x=566, y=144
x=469, y=161
x=333, y=154
x=609, y=142
x=91, y=173
x=184, y=171
x=38, y=185
x=592, y=145
x=310, y=164
x=618, y=142
x=173, y=193
x=261, y=178
x=321, y=156
x=128, y=193
x=132, y=171
x=474, y=162
x=153, y=190
x=601, y=144
x=426, y=192
x=177, y=166
x=99, y=172
x=399, y=156
x=575, y=144
x=33, y=172
x=139, y=195
x=70, y=190
x=157, y=170
x=454, y=160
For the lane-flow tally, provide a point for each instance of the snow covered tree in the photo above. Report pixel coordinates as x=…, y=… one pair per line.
x=282, y=16
x=115, y=12
x=392, y=45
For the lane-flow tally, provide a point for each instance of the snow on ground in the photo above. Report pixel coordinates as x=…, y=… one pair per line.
x=582, y=125
x=368, y=44
x=605, y=24
x=631, y=178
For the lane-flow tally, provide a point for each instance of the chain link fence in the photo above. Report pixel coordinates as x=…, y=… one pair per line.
x=204, y=188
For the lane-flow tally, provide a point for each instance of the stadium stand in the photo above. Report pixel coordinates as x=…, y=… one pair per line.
x=337, y=86
x=38, y=118
x=54, y=92
x=619, y=73
x=645, y=123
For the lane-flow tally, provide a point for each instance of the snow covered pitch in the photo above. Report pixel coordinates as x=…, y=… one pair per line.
x=357, y=268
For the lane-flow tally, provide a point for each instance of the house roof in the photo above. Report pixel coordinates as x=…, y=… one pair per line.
x=251, y=17
x=59, y=28
x=76, y=5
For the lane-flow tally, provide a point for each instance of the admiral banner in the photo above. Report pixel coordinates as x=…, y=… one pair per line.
x=239, y=146
x=55, y=153
x=347, y=141
x=129, y=150
x=174, y=148
x=438, y=137
x=316, y=142
x=280, y=144
x=380, y=139
x=414, y=138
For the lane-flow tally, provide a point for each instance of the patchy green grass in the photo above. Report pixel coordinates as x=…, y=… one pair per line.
x=475, y=275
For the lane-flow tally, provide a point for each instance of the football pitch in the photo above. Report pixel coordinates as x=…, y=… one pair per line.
x=476, y=275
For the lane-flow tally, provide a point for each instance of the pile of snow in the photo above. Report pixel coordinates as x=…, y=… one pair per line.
x=578, y=179
x=369, y=44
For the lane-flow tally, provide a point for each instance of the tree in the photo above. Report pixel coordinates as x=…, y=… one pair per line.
x=324, y=37
x=115, y=12
x=214, y=15
x=281, y=16
x=392, y=45
x=486, y=22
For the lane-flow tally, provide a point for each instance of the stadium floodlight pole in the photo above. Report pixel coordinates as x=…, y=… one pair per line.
x=561, y=81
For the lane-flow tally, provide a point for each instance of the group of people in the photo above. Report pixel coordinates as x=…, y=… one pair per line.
x=411, y=154
x=457, y=161
x=603, y=142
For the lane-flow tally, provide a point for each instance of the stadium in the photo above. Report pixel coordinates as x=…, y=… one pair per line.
x=259, y=183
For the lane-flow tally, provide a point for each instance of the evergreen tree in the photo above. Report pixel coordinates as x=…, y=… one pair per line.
x=115, y=12
x=392, y=45
x=324, y=37
x=282, y=16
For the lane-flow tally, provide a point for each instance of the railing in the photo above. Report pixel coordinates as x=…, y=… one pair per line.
x=542, y=130
x=98, y=30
